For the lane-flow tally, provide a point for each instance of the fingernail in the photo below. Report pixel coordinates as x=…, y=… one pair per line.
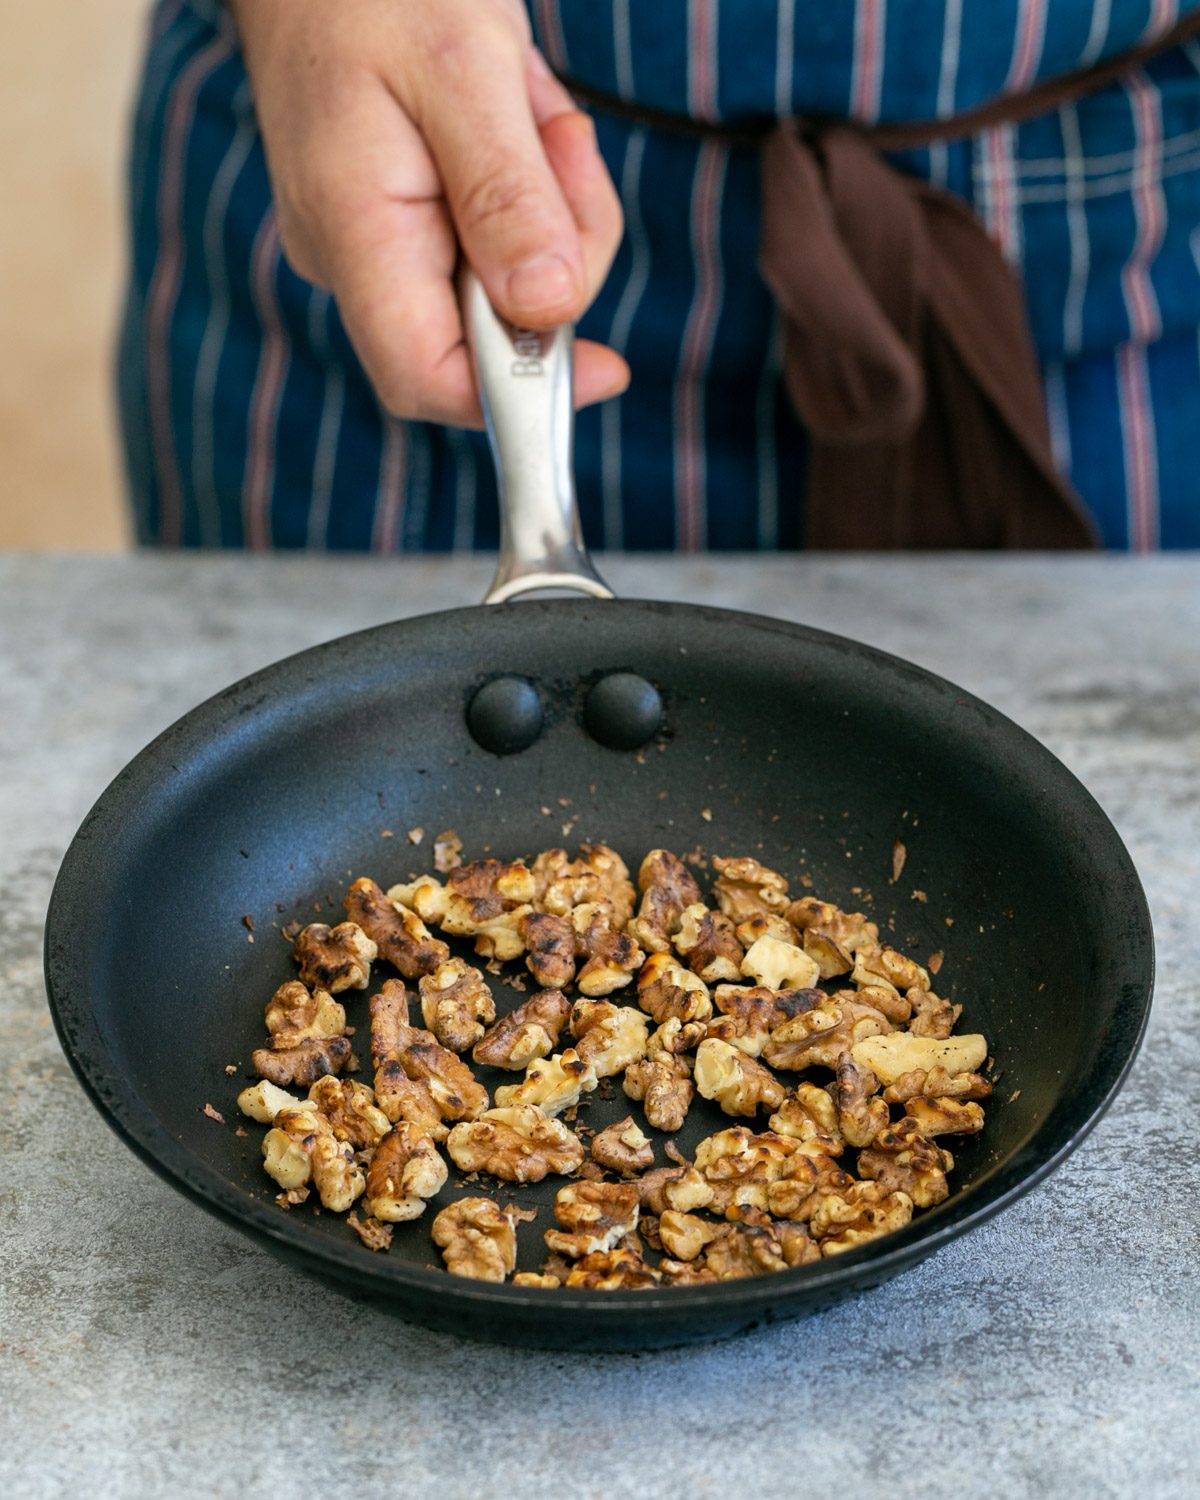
x=542, y=284
x=539, y=64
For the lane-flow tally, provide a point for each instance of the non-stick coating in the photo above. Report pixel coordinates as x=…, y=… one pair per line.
x=809, y=751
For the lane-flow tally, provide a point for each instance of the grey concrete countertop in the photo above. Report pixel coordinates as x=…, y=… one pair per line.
x=147, y=1350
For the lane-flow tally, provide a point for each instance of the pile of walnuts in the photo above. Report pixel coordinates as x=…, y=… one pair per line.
x=767, y=1006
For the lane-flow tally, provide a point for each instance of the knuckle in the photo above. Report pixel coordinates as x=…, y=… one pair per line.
x=501, y=197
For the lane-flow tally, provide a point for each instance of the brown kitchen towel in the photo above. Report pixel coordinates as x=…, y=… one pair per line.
x=908, y=356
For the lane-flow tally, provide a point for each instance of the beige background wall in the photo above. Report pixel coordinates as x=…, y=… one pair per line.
x=67, y=73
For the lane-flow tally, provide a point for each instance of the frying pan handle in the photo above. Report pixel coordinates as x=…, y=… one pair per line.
x=526, y=388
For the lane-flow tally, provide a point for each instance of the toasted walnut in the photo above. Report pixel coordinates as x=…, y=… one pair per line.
x=287, y=1147
x=456, y=1004
x=684, y=1236
x=829, y=956
x=551, y=944
x=788, y=1045
x=862, y=1113
x=477, y=1239
x=686, y=1273
x=829, y=935
x=615, y=886
x=304, y=1063
x=449, y=1080
x=608, y=1037
x=550, y=868
x=403, y=1098
x=351, y=1111
x=336, y=1175
x=673, y=1037
x=296, y=1014
x=397, y=1095
x=553, y=1084
x=599, y=875
x=809, y=1040
x=652, y=1187
x=748, y=889
x=931, y=1015
x=593, y=1216
x=405, y=1171
x=648, y=1229
x=936, y=1083
x=623, y=1147
x=807, y=1113
x=902, y=1159
x=901, y=1052
x=301, y=1147
x=622, y=1269
x=530, y=1031
x=425, y=895
x=944, y=1116
x=884, y=966
x=663, y=1084
x=334, y=958
x=667, y=890
x=612, y=956
x=388, y=1010
x=849, y=929
x=753, y=928
x=690, y=1190
x=748, y=1015
x=707, y=941
x=796, y=1243
x=863, y=1212
x=887, y=1001
x=779, y=965
x=744, y=1250
x=739, y=1166
x=667, y=991
x=521, y=1144
x=535, y=1278
x=809, y=1173
x=400, y=935
x=262, y=1101
x=487, y=900
x=739, y=1085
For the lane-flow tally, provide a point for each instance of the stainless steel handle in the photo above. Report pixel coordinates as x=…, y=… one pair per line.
x=526, y=388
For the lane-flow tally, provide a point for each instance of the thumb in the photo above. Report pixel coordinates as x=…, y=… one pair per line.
x=513, y=222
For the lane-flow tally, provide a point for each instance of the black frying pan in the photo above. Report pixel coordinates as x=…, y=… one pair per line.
x=812, y=752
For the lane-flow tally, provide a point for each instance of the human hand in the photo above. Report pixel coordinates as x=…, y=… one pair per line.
x=396, y=133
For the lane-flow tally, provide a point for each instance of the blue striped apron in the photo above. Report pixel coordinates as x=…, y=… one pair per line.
x=248, y=422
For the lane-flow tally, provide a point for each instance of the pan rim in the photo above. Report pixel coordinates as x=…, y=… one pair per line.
x=137, y=1125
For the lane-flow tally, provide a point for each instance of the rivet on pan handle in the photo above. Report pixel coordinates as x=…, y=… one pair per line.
x=525, y=384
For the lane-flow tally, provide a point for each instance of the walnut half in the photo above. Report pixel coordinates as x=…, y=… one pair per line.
x=623, y=1147
x=593, y=1216
x=399, y=934
x=477, y=1238
x=456, y=1004
x=521, y=1144
x=532, y=1030
x=334, y=958
x=405, y=1171
x=739, y=1084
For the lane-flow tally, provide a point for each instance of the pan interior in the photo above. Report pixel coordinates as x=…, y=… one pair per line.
x=810, y=753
